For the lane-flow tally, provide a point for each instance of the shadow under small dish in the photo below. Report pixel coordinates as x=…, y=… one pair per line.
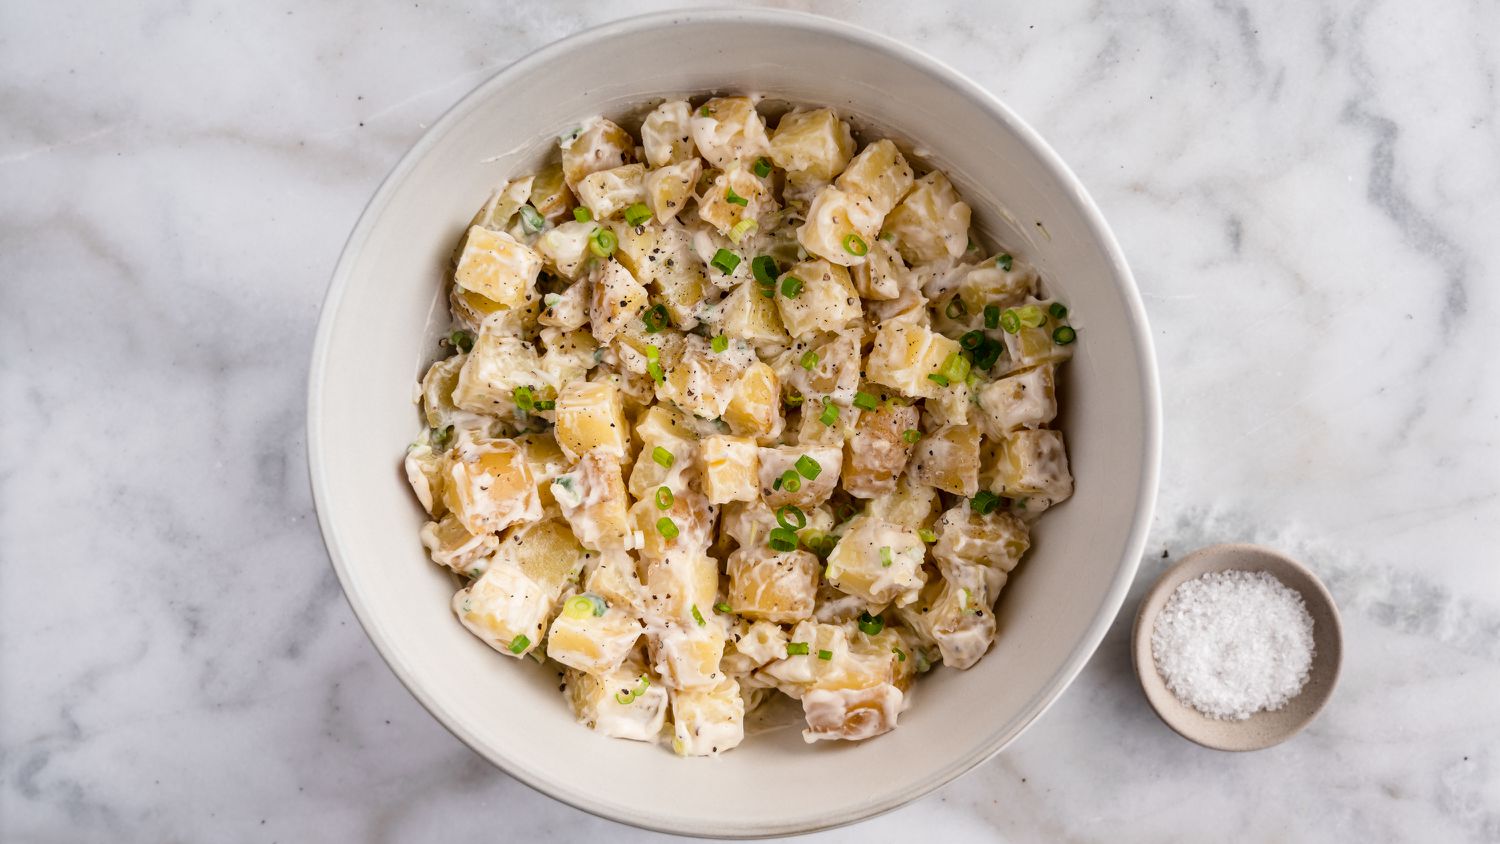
x=1264, y=728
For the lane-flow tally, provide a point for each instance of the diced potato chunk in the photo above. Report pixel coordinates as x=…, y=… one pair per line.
x=931, y=223
x=747, y=315
x=812, y=146
x=499, y=211
x=691, y=515
x=1027, y=399
x=498, y=267
x=590, y=416
x=911, y=505
x=838, y=228
x=506, y=609
x=663, y=427
x=592, y=498
x=667, y=134
x=825, y=660
x=989, y=283
x=877, y=453
x=729, y=129
x=546, y=461
x=755, y=404
x=624, y=703
x=609, y=192
x=424, y=471
x=679, y=277
x=905, y=354
x=827, y=302
x=707, y=722
x=948, y=459
x=759, y=643
x=703, y=382
x=550, y=194
x=687, y=655
x=851, y=714
x=1033, y=345
x=883, y=274
x=597, y=644
x=776, y=486
x=772, y=586
x=878, y=561
x=994, y=541
x=450, y=544
x=879, y=177
x=491, y=373
x=1033, y=464
x=565, y=248
x=954, y=612
x=669, y=188
x=835, y=370
x=489, y=486
x=615, y=579
x=679, y=581
x=546, y=551
x=618, y=298
x=569, y=311
x=599, y=145
x=731, y=469
x=720, y=204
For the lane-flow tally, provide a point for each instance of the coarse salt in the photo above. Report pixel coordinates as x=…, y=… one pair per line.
x=1231, y=644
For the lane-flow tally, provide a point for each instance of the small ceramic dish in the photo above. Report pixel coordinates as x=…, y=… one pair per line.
x=1263, y=729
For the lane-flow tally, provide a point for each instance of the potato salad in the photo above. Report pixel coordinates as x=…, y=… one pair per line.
x=737, y=408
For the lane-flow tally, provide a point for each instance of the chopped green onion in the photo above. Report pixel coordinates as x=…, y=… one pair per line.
x=582, y=215
x=782, y=539
x=911, y=435
x=624, y=698
x=655, y=371
x=653, y=352
x=794, y=399
x=532, y=218
x=1005, y=261
x=821, y=544
x=791, y=517
x=765, y=270
x=462, y=340
x=664, y=498
x=663, y=458
x=972, y=340
x=725, y=261
x=719, y=343
x=1031, y=316
x=519, y=644
x=956, y=309
x=698, y=616
x=666, y=527
x=991, y=316
x=825, y=655
x=855, y=245
x=885, y=556
x=938, y=379
x=809, y=360
x=439, y=437
x=791, y=286
x=900, y=654
x=955, y=367
x=546, y=404
x=762, y=167
x=705, y=111
x=871, y=624
x=830, y=414
x=926, y=535
x=865, y=401
x=642, y=686
x=525, y=402
x=578, y=607
x=637, y=214
x=988, y=353
x=796, y=649
x=1058, y=310
x=972, y=381
x=744, y=227
x=808, y=467
x=984, y=503
x=551, y=300
x=603, y=242
x=735, y=199
x=723, y=608
x=655, y=318
x=1064, y=335
x=1010, y=321
x=789, y=481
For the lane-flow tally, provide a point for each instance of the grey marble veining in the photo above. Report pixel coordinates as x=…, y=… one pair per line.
x=1308, y=194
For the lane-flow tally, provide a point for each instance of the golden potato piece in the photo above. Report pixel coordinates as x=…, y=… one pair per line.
x=708, y=721
x=878, y=561
x=904, y=355
x=546, y=551
x=590, y=416
x=627, y=703
x=772, y=586
x=592, y=498
x=729, y=129
x=618, y=299
x=879, y=177
x=599, y=145
x=812, y=146
x=450, y=544
x=498, y=267
x=877, y=453
x=595, y=642
x=506, y=609
x=607, y=193
x=755, y=403
x=931, y=223
x=667, y=134
x=948, y=459
x=731, y=469
x=488, y=486
x=826, y=302
x=850, y=714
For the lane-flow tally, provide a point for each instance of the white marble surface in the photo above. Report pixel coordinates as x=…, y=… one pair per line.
x=1310, y=201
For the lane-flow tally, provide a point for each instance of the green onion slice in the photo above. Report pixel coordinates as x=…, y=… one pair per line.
x=439, y=437
x=1031, y=316
x=830, y=414
x=519, y=644
x=664, y=498
x=955, y=367
x=740, y=230
x=809, y=360
x=825, y=655
x=719, y=343
x=582, y=215
x=762, y=167
x=524, y=399
x=655, y=318
x=637, y=214
x=885, y=556
x=984, y=502
x=765, y=270
x=531, y=218
x=956, y=309
x=735, y=199
x=782, y=539
x=1005, y=261
x=791, y=517
x=725, y=261
x=855, y=245
x=871, y=624
x=1058, y=310
x=988, y=353
x=938, y=379
x=603, y=242
x=462, y=340
x=911, y=435
x=655, y=371
x=796, y=649
x=808, y=467
x=666, y=527
x=723, y=608
x=789, y=481
x=1064, y=335
x=663, y=458
x=791, y=286
x=972, y=340
x=698, y=616
x=1010, y=321
x=900, y=654
x=991, y=316
x=926, y=535
x=865, y=401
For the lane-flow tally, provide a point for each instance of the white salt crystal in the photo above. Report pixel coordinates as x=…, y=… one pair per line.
x=1230, y=644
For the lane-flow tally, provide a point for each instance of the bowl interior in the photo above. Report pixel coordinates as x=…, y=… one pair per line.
x=1263, y=729
x=385, y=311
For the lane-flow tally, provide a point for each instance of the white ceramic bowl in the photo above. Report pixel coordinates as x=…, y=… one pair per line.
x=385, y=311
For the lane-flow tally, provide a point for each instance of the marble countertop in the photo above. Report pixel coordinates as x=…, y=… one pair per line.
x=1309, y=199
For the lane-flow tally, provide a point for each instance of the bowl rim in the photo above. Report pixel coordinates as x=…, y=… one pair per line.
x=1074, y=191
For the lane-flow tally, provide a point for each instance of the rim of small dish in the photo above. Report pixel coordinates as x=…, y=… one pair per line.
x=1135, y=315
